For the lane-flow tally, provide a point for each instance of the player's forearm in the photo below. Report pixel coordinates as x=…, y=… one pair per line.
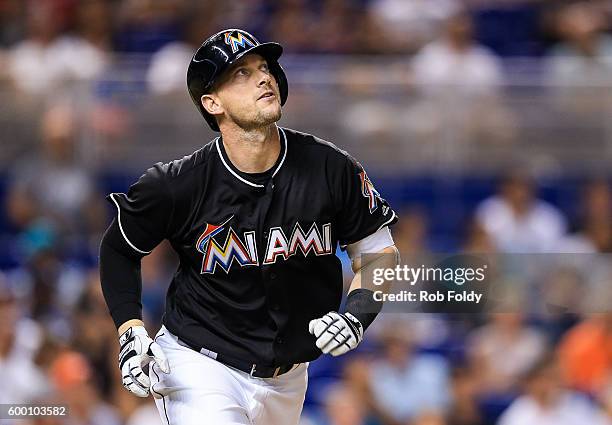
x=360, y=301
x=120, y=278
x=386, y=258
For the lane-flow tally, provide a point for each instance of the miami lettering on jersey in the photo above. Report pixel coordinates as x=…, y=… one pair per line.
x=280, y=246
x=244, y=251
x=368, y=190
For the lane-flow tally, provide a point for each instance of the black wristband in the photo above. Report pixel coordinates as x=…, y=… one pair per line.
x=361, y=304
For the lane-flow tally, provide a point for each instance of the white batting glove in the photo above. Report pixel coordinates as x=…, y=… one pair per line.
x=138, y=350
x=336, y=333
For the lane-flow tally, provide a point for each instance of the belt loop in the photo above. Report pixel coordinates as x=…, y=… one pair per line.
x=252, y=370
x=276, y=372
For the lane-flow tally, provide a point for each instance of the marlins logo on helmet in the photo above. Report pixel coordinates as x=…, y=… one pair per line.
x=238, y=40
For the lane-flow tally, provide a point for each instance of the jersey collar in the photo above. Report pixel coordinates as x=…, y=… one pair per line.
x=236, y=173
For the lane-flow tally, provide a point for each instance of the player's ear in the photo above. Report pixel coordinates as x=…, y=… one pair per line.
x=211, y=104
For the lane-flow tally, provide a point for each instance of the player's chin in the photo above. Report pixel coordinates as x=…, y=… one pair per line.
x=271, y=113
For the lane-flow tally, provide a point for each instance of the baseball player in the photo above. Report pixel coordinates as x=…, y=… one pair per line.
x=255, y=216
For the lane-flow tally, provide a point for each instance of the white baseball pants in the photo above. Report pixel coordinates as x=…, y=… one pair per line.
x=201, y=391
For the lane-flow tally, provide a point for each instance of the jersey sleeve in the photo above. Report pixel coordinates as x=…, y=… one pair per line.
x=362, y=210
x=144, y=214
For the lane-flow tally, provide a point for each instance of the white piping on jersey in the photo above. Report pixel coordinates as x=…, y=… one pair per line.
x=388, y=221
x=245, y=180
x=285, y=154
x=121, y=227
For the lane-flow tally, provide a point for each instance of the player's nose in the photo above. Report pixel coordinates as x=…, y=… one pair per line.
x=264, y=79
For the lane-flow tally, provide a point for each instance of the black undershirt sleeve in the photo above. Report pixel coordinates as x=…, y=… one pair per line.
x=120, y=276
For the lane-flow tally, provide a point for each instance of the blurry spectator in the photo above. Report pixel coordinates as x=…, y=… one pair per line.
x=20, y=340
x=288, y=16
x=517, y=221
x=33, y=65
x=455, y=62
x=95, y=333
x=44, y=269
x=44, y=59
x=410, y=235
x=581, y=65
x=71, y=375
x=563, y=293
x=168, y=68
x=147, y=25
x=585, y=53
x=546, y=401
x=336, y=31
x=477, y=239
x=503, y=350
x=460, y=82
x=408, y=24
x=344, y=406
x=464, y=389
x=594, y=230
x=53, y=185
x=585, y=354
x=407, y=384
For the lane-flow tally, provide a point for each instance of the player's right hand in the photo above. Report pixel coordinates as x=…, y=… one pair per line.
x=137, y=350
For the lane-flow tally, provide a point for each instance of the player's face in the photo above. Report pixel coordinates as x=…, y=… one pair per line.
x=248, y=93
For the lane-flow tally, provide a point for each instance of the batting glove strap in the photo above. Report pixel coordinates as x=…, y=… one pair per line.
x=336, y=333
x=355, y=325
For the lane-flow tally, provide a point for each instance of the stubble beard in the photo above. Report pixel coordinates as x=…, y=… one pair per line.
x=262, y=118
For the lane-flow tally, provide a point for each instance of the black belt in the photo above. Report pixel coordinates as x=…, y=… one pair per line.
x=253, y=369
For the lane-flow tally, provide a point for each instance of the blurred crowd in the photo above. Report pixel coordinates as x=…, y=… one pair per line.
x=455, y=62
x=46, y=43
x=58, y=343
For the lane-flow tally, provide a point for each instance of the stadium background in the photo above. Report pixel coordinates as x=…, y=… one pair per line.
x=486, y=124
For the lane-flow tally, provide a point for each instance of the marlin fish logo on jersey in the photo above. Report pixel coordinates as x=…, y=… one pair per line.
x=236, y=40
x=244, y=251
x=368, y=191
x=233, y=249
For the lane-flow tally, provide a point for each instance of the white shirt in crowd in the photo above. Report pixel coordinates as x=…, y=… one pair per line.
x=570, y=409
x=36, y=68
x=27, y=381
x=168, y=68
x=537, y=230
x=437, y=67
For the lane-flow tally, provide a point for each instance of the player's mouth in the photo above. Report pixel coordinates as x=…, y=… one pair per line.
x=266, y=95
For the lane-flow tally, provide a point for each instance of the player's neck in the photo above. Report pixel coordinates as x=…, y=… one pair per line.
x=253, y=151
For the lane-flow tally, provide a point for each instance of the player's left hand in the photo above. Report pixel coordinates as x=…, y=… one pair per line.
x=336, y=333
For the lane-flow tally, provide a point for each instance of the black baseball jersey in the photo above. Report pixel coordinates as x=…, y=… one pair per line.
x=257, y=251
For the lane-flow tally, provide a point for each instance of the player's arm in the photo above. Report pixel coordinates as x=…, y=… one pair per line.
x=337, y=332
x=143, y=220
x=122, y=286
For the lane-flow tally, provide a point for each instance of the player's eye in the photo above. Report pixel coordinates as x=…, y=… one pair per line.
x=242, y=72
x=264, y=67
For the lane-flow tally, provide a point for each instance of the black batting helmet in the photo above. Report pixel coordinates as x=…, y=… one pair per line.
x=220, y=51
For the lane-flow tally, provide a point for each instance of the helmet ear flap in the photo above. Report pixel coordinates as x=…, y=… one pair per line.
x=281, y=79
